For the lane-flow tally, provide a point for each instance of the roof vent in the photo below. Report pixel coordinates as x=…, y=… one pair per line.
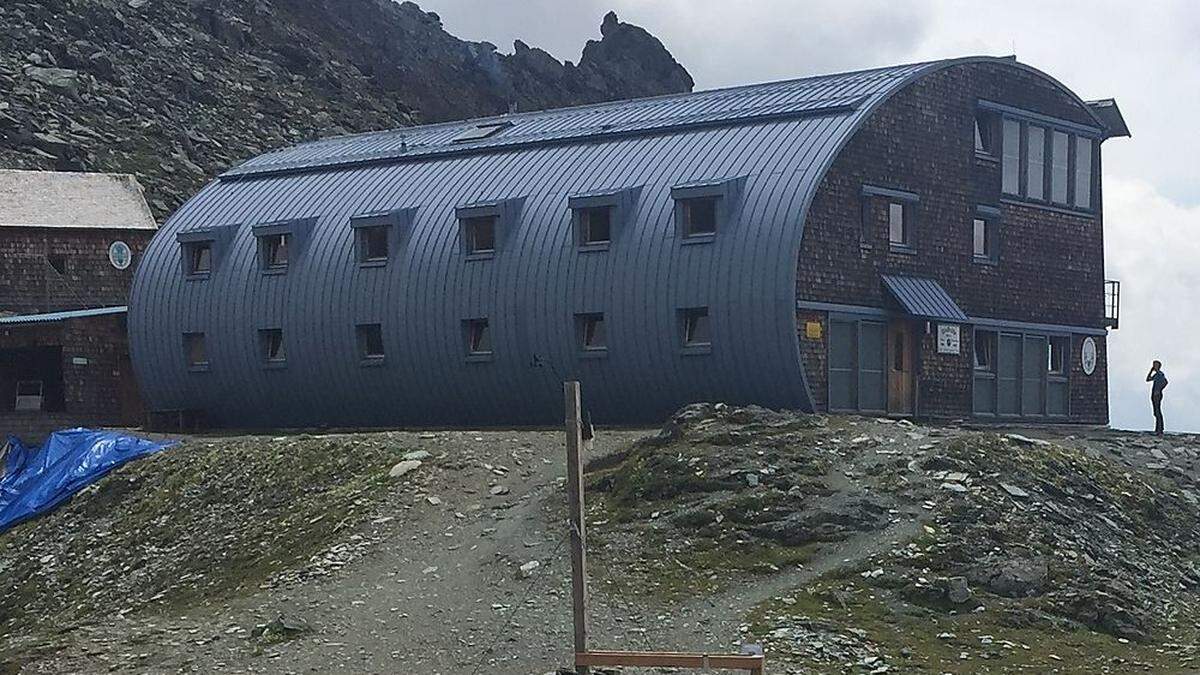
x=480, y=131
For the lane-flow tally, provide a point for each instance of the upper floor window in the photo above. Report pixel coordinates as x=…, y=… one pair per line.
x=1058, y=168
x=1035, y=164
x=985, y=132
x=480, y=233
x=199, y=257
x=1083, y=172
x=595, y=225
x=985, y=235
x=273, y=250
x=699, y=216
x=373, y=243
x=900, y=224
x=1010, y=165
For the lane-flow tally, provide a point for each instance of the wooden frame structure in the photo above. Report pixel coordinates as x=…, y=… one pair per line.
x=585, y=658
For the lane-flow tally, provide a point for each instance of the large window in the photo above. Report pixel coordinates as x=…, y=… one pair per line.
x=1058, y=168
x=1035, y=165
x=1083, y=172
x=1021, y=374
x=1011, y=161
x=857, y=356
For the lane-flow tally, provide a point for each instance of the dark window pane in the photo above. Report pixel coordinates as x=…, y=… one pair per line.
x=1083, y=172
x=370, y=340
x=272, y=344
x=1011, y=161
x=201, y=258
x=197, y=355
x=1058, y=173
x=481, y=234
x=479, y=336
x=696, y=327
x=593, y=332
x=700, y=216
x=275, y=253
x=872, y=376
x=595, y=224
x=1036, y=165
x=843, y=380
x=985, y=351
x=374, y=243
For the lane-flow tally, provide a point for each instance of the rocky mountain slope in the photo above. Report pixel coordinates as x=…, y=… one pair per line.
x=178, y=90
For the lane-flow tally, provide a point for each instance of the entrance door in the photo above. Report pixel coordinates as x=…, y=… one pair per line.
x=901, y=369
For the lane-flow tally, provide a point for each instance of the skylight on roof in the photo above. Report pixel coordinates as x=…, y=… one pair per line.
x=480, y=131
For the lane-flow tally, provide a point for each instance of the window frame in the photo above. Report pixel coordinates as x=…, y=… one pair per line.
x=504, y=214
x=688, y=316
x=362, y=337
x=215, y=238
x=295, y=232
x=265, y=339
x=909, y=202
x=474, y=330
x=192, y=252
x=986, y=132
x=190, y=339
x=724, y=193
x=992, y=226
x=585, y=321
x=393, y=223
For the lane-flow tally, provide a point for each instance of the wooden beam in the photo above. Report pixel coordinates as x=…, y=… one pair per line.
x=574, y=428
x=753, y=663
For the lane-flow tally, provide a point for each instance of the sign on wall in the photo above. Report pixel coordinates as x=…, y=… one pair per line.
x=948, y=338
x=812, y=330
x=1087, y=356
x=120, y=255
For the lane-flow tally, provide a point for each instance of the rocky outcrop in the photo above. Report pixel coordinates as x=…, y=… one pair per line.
x=176, y=91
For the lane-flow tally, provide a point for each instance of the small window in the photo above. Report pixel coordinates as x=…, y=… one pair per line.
x=373, y=243
x=900, y=225
x=1057, y=356
x=195, y=350
x=199, y=257
x=1035, y=167
x=696, y=328
x=480, y=233
x=985, y=133
x=271, y=345
x=370, y=341
x=592, y=334
x=699, y=216
x=595, y=225
x=274, y=249
x=986, y=237
x=985, y=351
x=479, y=337
x=57, y=262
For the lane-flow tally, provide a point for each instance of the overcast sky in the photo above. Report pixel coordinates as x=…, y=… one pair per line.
x=1147, y=56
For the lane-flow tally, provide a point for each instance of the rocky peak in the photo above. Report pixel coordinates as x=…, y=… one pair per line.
x=176, y=92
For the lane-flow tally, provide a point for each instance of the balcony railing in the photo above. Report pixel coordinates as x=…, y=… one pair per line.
x=1112, y=304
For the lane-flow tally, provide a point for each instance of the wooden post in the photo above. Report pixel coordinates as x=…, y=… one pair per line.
x=574, y=426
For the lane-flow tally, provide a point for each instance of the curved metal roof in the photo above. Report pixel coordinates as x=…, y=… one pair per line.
x=774, y=142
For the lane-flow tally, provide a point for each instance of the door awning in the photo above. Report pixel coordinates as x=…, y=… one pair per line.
x=924, y=298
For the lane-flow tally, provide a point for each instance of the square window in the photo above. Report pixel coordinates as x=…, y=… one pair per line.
x=271, y=345
x=373, y=243
x=595, y=224
x=1057, y=363
x=195, y=350
x=985, y=351
x=199, y=257
x=699, y=216
x=479, y=337
x=370, y=341
x=592, y=334
x=900, y=225
x=696, y=329
x=274, y=248
x=480, y=233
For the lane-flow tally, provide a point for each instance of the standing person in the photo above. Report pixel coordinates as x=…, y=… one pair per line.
x=1156, y=391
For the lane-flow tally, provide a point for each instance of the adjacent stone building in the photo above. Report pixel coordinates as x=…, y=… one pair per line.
x=919, y=240
x=69, y=244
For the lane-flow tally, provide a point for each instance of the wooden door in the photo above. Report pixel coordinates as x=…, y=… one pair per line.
x=901, y=367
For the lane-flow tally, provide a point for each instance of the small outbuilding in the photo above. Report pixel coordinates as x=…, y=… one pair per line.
x=918, y=240
x=69, y=245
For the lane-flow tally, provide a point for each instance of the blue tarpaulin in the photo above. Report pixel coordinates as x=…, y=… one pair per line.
x=37, y=479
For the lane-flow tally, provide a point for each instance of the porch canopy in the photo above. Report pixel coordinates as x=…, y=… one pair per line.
x=924, y=298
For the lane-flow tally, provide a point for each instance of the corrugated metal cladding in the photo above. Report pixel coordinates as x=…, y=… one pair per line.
x=772, y=141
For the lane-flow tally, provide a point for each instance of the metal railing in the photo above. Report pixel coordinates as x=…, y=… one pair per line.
x=1112, y=304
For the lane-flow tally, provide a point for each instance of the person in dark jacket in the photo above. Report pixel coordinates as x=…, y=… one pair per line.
x=1156, y=391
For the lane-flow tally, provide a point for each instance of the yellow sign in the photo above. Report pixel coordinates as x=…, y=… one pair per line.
x=812, y=330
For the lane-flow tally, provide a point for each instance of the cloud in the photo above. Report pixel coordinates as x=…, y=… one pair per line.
x=1153, y=247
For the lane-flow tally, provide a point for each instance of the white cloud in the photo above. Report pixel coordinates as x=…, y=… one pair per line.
x=1153, y=248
